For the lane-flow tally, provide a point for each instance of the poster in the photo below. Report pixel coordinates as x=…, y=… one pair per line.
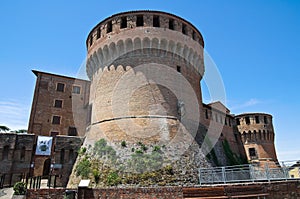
x=43, y=145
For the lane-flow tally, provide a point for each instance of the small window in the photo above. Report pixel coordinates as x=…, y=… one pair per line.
x=54, y=133
x=184, y=29
x=109, y=27
x=60, y=87
x=76, y=89
x=247, y=120
x=265, y=120
x=91, y=40
x=257, y=119
x=206, y=113
x=5, y=152
x=179, y=69
x=72, y=131
x=98, y=33
x=56, y=119
x=171, y=24
x=58, y=103
x=238, y=121
x=139, y=20
x=225, y=121
x=252, y=152
x=62, y=156
x=194, y=35
x=229, y=121
x=156, y=21
x=123, y=22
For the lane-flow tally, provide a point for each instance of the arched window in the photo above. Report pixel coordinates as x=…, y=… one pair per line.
x=5, y=152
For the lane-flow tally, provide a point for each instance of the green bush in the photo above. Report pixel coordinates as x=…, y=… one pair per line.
x=96, y=175
x=113, y=179
x=20, y=188
x=123, y=143
x=83, y=168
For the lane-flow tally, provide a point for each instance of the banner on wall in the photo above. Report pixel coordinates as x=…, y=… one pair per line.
x=43, y=145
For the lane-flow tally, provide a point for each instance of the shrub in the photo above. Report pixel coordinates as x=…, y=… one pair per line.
x=123, y=143
x=113, y=179
x=20, y=188
x=83, y=168
x=96, y=175
x=157, y=149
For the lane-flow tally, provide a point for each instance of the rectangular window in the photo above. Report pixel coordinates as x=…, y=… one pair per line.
x=183, y=29
x=171, y=24
x=58, y=103
x=60, y=87
x=225, y=121
x=257, y=119
x=109, y=27
x=56, y=119
x=76, y=89
x=229, y=122
x=91, y=40
x=156, y=21
x=98, y=33
x=265, y=120
x=238, y=121
x=247, y=120
x=206, y=113
x=139, y=20
x=194, y=35
x=252, y=152
x=72, y=131
x=123, y=22
x=179, y=69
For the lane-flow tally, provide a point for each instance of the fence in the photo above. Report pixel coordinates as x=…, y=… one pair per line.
x=250, y=173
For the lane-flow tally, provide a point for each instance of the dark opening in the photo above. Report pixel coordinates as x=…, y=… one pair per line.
x=247, y=120
x=46, y=169
x=257, y=119
x=139, y=20
x=98, y=33
x=179, y=69
x=60, y=87
x=91, y=40
x=109, y=27
x=62, y=156
x=265, y=120
x=156, y=21
x=238, y=121
x=5, y=152
x=206, y=113
x=229, y=121
x=56, y=120
x=124, y=22
x=194, y=35
x=53, y=134
x=184, y=29
x=225, y=121
x=252, y=152
x=58, y=103
x=171, y=24
x=72, y=131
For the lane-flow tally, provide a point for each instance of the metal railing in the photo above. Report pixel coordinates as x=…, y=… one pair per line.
x=250, y=173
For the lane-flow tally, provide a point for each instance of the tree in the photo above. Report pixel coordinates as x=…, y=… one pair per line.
x=4, y=128
x=21, y=131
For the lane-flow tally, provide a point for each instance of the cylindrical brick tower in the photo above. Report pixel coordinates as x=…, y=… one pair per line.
x=145, y=69
x=257, y=135
x=140, y=64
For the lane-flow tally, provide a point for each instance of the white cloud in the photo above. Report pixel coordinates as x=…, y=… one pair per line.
x=14, y=114
x=249, y=103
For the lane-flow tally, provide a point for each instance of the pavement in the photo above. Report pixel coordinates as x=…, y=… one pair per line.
x=6, y=193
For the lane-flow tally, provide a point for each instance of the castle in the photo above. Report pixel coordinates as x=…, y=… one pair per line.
x=142, y=104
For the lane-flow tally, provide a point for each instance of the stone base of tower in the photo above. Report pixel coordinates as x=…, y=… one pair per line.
x=125, y=161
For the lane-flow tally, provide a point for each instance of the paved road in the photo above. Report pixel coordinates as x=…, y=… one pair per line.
x=6, y=193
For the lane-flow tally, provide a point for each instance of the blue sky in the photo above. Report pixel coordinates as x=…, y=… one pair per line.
x=255, y=45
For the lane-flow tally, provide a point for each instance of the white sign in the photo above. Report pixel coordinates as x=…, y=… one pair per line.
x=43, y=145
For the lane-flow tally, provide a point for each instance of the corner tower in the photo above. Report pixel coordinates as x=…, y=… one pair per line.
x=257, y=135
